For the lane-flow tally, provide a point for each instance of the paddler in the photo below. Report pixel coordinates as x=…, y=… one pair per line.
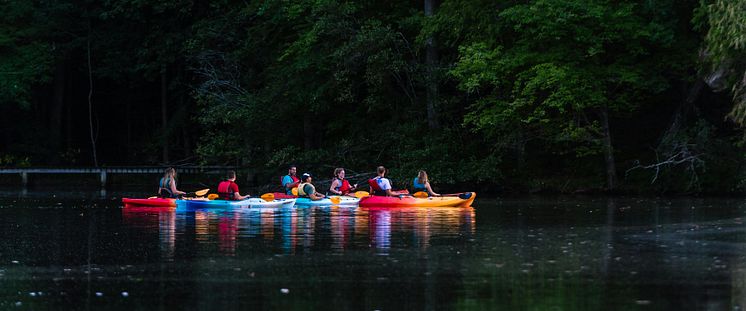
x=381, y=185
x=228, y=189
x=290, y=181
x=167, y=185
x=340, y=185
x=307, y=190
x=421, y=183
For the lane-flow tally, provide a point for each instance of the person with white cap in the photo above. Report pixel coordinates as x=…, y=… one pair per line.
x=307, y=190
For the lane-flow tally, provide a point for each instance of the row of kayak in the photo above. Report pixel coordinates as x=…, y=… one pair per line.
x=459, y=200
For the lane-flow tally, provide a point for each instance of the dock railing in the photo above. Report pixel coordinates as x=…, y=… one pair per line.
x=103, y=172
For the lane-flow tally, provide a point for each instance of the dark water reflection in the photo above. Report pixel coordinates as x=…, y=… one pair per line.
x=531, y=253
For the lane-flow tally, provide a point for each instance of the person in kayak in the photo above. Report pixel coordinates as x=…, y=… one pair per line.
x=421, y=183
x=307, y=190
x=381, y=185
x=167, y=185
x=228, y=189
x=340, y=185
x=290, y=181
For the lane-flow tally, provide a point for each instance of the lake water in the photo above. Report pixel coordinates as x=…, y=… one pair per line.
x=80, y=251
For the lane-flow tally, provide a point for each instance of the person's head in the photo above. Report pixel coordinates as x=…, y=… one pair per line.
x=339, y=173
x=292, y=170
x=306, y=178
x=422, y=176
x=230, y=175
x=381, y=170
x=169, y=172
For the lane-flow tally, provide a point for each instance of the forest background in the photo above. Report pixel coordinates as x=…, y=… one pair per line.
x=497, y=96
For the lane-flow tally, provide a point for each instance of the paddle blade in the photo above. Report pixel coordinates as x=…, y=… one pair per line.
x=362, y=194
x=294, y=191
x=268, y=197
x=335, y=200
x=202, y=192
x=420, y=194
x=212, y=196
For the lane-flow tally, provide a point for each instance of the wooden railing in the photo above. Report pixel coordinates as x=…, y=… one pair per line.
x=104, y=171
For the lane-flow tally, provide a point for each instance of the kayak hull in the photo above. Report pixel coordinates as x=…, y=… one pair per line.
x=247, y=203
x=280, y=195
x=154, y=202
x=343, y=201
x=465, y=200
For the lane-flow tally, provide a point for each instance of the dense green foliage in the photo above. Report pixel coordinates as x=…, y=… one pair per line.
x=559, y=95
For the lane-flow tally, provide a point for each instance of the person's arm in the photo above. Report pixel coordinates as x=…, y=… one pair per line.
x=288, y=183
x=237, y=195
x=173, y=188
x=430, y=190
x=334, y=184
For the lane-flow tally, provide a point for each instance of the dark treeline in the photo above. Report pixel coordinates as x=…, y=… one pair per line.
x=557, y=95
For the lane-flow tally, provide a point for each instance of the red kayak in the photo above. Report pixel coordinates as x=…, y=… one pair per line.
x=457, y=200
x=155, y=202
x=281, y=195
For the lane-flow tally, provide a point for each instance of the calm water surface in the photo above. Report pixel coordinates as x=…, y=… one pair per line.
x=80, y=251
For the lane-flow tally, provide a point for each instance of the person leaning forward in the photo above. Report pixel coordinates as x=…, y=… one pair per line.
x=307, y=190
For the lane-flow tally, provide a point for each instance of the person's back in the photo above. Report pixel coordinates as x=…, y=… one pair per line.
x=380, y=185
x=421, y=183
x=228, y=189
x=167, y=184
x=417, y=185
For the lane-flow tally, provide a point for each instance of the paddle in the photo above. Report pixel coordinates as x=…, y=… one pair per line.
x=361, y=194
x=268, y=197
x=420, y=194
x=335, y=199
x=200, y=193
x=294, y=191
x=212, y=196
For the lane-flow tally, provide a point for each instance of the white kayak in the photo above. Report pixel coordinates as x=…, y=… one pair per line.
x=246, y=203
x=343, y=201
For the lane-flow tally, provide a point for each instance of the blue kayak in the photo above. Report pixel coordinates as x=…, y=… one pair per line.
x=343, y=201
x=246, y=203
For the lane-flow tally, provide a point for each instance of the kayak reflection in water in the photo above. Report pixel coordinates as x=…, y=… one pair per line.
x=421, y=183
x=307, y=190
x=340, y=185
x=381, y=185
x=228, y=189
x=167, y=185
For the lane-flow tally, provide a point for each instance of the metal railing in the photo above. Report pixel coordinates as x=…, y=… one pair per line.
x=104, y=171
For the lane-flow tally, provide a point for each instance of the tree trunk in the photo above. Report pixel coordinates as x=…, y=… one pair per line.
x=128, y=121
x=608, y=150
x=55, y=120
x=90, y=95
x=431, y=81
x=678, y=121
x=164, y=115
